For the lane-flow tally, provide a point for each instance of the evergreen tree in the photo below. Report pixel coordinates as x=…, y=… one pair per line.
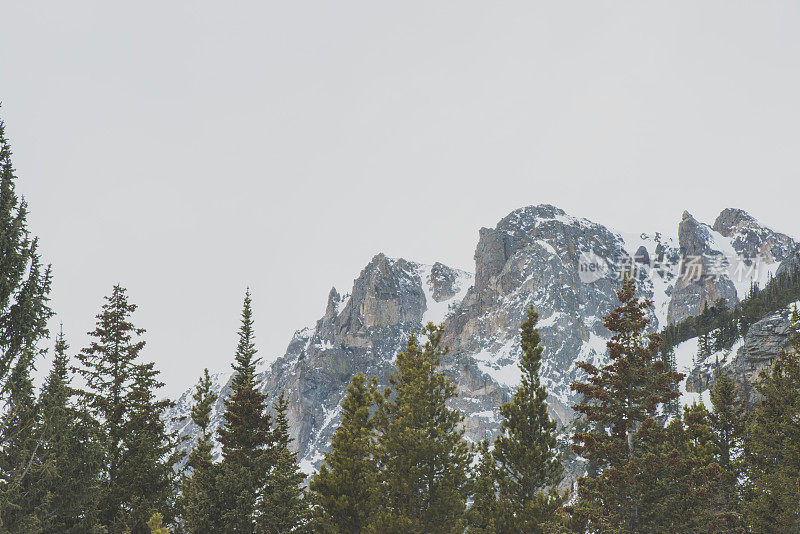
x=772, y=446
x=344, y=487
x=282, y=507
x=704, y=346
x=197, y=496
x=20, y=455
x=727, y=424
x=72, y=453
x=422, y=457
x=672, y=408
x=677, y=474
x=147, y=480
x=525, y=451
x=245, y=435
x=24, y=282
x=120, y=393
x=620, y=403
x=482, y=516
x=24, y=313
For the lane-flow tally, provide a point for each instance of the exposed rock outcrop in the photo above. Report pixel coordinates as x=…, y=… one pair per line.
x=763, y=342
x=536, y=255
x=704, y=279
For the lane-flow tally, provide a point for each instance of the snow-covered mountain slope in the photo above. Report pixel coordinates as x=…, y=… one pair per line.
x=567, y=267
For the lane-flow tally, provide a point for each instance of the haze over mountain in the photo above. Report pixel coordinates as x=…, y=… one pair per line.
x=187, y=150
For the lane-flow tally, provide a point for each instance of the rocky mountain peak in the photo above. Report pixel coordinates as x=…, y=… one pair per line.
x=732, y=220
x=535, y=255
x=751, y=240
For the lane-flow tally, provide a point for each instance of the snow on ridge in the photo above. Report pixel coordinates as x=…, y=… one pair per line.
x=436, y=312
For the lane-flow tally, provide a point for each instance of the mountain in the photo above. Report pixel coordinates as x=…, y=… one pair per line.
x=568, y=267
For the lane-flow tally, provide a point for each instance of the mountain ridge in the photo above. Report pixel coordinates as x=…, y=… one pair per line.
x=536, y=254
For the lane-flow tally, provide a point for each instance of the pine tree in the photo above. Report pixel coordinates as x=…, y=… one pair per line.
x=120, y=393
x=72, y=453
x=621, y=400
x=678, y=474
x=24, y=313
x=482, y=516
x=672, y=408
x=703, y=347
x=24, y=282
x=772, y=450
x=344, y=487
x=727, y=424
x=526, y=451
x=147, y=481
x=282, y=506
x=20, y=455
x=422, y=457
x=197, y=496
x=245, y=435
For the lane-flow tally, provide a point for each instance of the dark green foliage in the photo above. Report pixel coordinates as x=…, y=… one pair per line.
x=727, y=426
x=526, y=451
x=24, y=282
x=725, y=323
x=20, y=460
x=772, y=446
x=120, y=393
x=72, y=451
x=620, y=404
x=24, y=313
x=197, y=496
x=704, y=347
x=345, y=485
x=282, y=507
x=147, y=481
x=482, y=516
x=245, y=436
x=422, y=457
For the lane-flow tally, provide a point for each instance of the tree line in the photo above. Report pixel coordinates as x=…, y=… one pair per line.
x=90, y=450
x=722, y=324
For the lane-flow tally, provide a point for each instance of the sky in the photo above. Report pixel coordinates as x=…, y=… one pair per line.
x=188, y=150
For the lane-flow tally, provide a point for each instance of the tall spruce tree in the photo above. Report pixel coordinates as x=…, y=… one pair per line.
x=24, y=282
x=727, y=425
x=120, y=393
x=345, y=485
x=772, y=446
x=197, y=495
x=24, y=313
x=72, y=453
x=147, y=481
x=423, y=459
x=620, y=403
x=282, y=507
x=20, y=455
x=482, y=516
x=526, y=450
x=245, y=436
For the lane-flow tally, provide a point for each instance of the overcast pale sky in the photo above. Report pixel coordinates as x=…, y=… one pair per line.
x=188, y=149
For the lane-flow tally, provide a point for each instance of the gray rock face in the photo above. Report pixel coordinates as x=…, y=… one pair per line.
x=764, y=341
x=535, y=255
x=790, y=264
x=752, y=240
x=359, y=332
x=532, y=256
x=443, y=281
x=704, y=272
